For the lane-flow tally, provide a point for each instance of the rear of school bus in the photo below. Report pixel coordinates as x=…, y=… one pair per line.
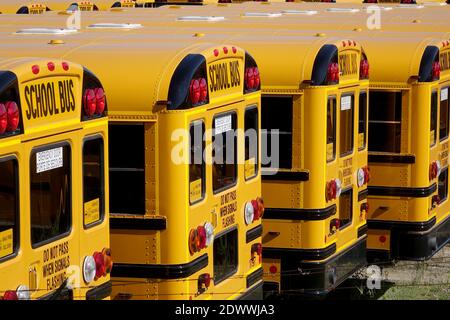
x=54, y=234
x=184, y=178
x=314, y=223
x=408, y=217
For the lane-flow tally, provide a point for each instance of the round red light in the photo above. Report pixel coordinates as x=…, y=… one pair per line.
x=10, y=295
x=201, y=232
x=206, y=279
x=100, y=98
x=3, y=118
x=216, y=52
x=35, y=69
x=249, y=78
x=382, y=239
x=256, y=77
x=51, y=66
x=13, y=115
x=65, y=66
x=225, y=50
x=194, y=91
x=234, y=49
x=273, y=269
x=193, y=241
x=203, y=90
x=89, y=102
x=255, y=210
x=100, y=267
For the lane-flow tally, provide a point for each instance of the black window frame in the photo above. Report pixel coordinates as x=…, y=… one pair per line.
x=233, y=271
x=374, y=119
x=364, y=121
x=102, y=212
x=191, y=125
x=444, y=173
x=352, y=129
x=434, y=107
x=350, y=220
x=332, y=97
x=234, y=117
x=249, y=109
x=16, y=229
x=63, y=235
x=441, y=138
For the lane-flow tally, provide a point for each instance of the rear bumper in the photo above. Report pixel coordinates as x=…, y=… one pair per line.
x=414, y=245
x=101, y=292
x=317, y=278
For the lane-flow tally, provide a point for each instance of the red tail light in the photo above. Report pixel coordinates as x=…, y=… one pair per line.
x=3, y=118
x=436, y=70
x=204, y=282
x=435, y=200
x=258, y=208
x=10, y=295
x=257, y=249
x=365, y=207
x=89, y=102
x=333, y=189
x=364, y=69
x=100, y=266
x=198, y=91
x=333, y=73
x=13, y=115
x=252, y=78
x=201, y=233
x=335, y=224
x=435, y=170
x=100, y=99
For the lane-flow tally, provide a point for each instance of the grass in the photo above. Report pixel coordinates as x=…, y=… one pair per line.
x=417, y=292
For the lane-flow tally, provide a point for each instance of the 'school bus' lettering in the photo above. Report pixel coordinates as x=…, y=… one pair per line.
x=348, y=64
x=49, y=98
x=224, y=75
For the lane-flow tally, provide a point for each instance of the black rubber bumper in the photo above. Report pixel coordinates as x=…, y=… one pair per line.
x=318, y=278
x=419, y=245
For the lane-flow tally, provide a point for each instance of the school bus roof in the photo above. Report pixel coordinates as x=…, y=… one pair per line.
x=12, y=6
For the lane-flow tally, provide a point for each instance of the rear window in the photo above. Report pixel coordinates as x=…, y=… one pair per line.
x=443, y=115
x=346, y=124
x=224, y=151
x=345, y=208
x=93, y=181
x=50, y=193
x=331, y=128
x=196, y=162
x=276, y=120
x=127, y=168
x=385, y=115
x=443, y=185
x=9, y=208
x=251, y=142
x=225, y=255
x=362, y=122
x=433, y=118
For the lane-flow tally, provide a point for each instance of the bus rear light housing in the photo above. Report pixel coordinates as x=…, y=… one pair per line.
x=256, y=250
x=333, y=189
x=201, y=237
x=333, y=73
x=9, y=117
x=94, y=102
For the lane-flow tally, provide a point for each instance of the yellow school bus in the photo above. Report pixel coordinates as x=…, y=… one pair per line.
x=54, y=226
x=23, y=7
x=409, y=212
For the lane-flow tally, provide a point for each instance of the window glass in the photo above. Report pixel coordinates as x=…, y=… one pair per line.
x=331, y=128
x=224, y=151
x=93, y=181
x=345, y=208
x=433, y=118
x=385, y=115
x=127, y=168
x=196, y=162
x=50, y=192
x=9, y=208
x=251, y=142
x=443, y=185
x=276, y=120
x=225, y=255
x=443, y=115
x=346, y=124
x=362, y=123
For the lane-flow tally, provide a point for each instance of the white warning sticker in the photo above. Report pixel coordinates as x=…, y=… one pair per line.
x=444, y=94
x=49, y=159
x=346, y=102
x=222, y=124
